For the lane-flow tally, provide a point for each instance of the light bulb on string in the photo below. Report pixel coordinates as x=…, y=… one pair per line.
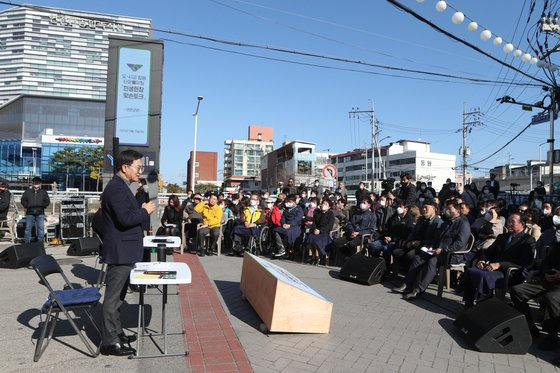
x=517, y=53
x=497, y=40
x=526, y=57
x=534, y=60
x=458, y=18
x=441, y=6
x=485, y=35
x=473, y=26
x=508, y=48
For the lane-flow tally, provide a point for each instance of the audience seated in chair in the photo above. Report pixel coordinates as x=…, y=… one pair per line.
x=290, y=225
x=512, y=249
x=319, y=235
x=211, y=224
x=250, y=217
x=452, y=236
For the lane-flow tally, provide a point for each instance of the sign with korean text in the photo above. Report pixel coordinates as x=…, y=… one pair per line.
x=133, y=96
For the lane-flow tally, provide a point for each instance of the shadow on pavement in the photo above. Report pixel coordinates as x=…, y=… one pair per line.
x=85, y=272
x=238, y=307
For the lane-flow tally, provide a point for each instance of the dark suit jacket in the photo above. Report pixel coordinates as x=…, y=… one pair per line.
x=520, y=251
x=453, y=235
x=122, y=224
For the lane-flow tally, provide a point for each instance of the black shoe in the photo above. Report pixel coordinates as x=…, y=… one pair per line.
x=210, y=253
x=399, y=289
x=201, y=253
x=127, y=339
x=549, y=343
x=414, y=294
x=117, y=350
x=322, y=261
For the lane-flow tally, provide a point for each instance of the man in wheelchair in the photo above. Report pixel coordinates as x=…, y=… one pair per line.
x=251, y=217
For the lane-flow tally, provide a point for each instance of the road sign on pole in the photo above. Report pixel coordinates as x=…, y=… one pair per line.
x=329, y=171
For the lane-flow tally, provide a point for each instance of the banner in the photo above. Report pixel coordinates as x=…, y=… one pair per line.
x=133, y=96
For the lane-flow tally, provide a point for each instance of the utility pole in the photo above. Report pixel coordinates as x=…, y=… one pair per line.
x=355, y=113
x=470, y=120
x=551, y=111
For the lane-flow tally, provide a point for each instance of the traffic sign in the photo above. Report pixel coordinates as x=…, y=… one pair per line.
x=542, y=117
x=329, y=171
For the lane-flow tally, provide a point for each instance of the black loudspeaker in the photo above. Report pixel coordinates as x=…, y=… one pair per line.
x=493, y=326
x=17, y=256
x=84, y=246
x=363, y=269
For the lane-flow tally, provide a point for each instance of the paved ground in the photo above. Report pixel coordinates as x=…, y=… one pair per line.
x=372, y=329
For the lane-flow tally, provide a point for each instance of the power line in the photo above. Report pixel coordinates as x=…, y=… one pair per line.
x=450, y=35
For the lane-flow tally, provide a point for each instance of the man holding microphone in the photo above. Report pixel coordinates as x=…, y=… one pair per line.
x=122, y=246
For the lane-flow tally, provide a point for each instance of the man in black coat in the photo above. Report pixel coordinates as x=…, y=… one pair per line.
x=362, y=222
x=35, y=200
x=545, y=284
x=122, y=247
x=514, y=248
x=453, y=236
x=5, y=200
x=407, y=191
x=361, y=193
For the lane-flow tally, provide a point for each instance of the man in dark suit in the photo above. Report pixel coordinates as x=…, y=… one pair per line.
x=122, y=247
x=494, y=186
x=543, y=283
x=453, y=236
x=515, y=248
x=407, y=192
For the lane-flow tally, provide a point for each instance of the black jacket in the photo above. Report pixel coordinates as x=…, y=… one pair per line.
x=426, y=230
x=5, y=198
x=35, y=201
x=453, y=235
x=323, y=221
x=407, y=194
x=363, y=222
x=520, y=251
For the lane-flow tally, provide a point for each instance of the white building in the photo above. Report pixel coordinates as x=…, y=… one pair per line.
x=243, y=157
x=59, y=52
x=414, y=157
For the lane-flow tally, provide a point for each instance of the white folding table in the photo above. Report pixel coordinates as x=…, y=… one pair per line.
x=137, y=277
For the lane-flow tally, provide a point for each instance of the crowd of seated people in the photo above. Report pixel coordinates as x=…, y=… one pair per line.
x=415, y=228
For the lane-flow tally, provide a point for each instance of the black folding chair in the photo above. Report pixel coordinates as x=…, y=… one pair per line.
x=63, y=301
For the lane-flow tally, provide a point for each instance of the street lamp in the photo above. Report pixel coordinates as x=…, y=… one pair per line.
x=540, y=166
x=381, y=162
x=193, y=163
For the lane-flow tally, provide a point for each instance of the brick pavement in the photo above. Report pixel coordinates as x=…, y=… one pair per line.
x=372, y=330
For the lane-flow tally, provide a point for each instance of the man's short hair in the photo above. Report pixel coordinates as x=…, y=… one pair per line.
x=452, y=202
x=406, y=175
x=4, y=185
x=291, y=197
x=368, y=200
x=36, y=180
x=126, y=157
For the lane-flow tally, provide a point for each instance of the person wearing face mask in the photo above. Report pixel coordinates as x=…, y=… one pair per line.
x=363, y=221
x=192, y=218
x=290, y=226
x=35, y=200
x=277, y=211
x=5, y=201
x=486, y=228
x=265, y=195
x=399, y=227
x=142, y=195
x=423, y=234
x=319, y=237
x=444, y=192
x=423, y=194
x=546, y=217
x=361, y=192
x=317, y=188
x=469, y=197
x=453, y=236
x=341, y=212
x=549, y=236
x=514, y=248
x=252, y=216
x=308, y=215
x=302, y=200
x=430, y=189
x=494, y=185
x=407, y=191
x=341, y=189
x=384, y=212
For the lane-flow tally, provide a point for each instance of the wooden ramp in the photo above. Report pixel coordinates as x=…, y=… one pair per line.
x=283, y=302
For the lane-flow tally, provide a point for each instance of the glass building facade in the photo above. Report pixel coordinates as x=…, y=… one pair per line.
x=53, y=76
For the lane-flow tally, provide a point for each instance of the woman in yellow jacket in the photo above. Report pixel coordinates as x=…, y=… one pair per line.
x=211, y=220
x=251, y=216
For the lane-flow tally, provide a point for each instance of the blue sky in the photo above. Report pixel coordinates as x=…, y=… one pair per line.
x=312, y=104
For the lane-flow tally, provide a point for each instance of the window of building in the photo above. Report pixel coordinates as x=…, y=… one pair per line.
x=304, y=167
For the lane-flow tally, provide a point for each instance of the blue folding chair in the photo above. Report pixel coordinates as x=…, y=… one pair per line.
x=63, y=301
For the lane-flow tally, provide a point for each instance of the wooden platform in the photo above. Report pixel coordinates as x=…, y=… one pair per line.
x=283, y=302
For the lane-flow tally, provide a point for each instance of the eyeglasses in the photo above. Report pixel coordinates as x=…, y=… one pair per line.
x=137, y=168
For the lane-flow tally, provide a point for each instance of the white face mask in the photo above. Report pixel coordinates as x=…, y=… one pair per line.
x=254, y=203
x=546, y=212
x=400, y=210
x=235, y=202
x=269, y=205
x=363, y=206
x=556, y=220
x=303, y=195
x=312, y=205
x=289, y=205
x=382, y=203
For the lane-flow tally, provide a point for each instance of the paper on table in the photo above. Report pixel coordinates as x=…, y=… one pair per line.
x=427, y=251
x=152, y=266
